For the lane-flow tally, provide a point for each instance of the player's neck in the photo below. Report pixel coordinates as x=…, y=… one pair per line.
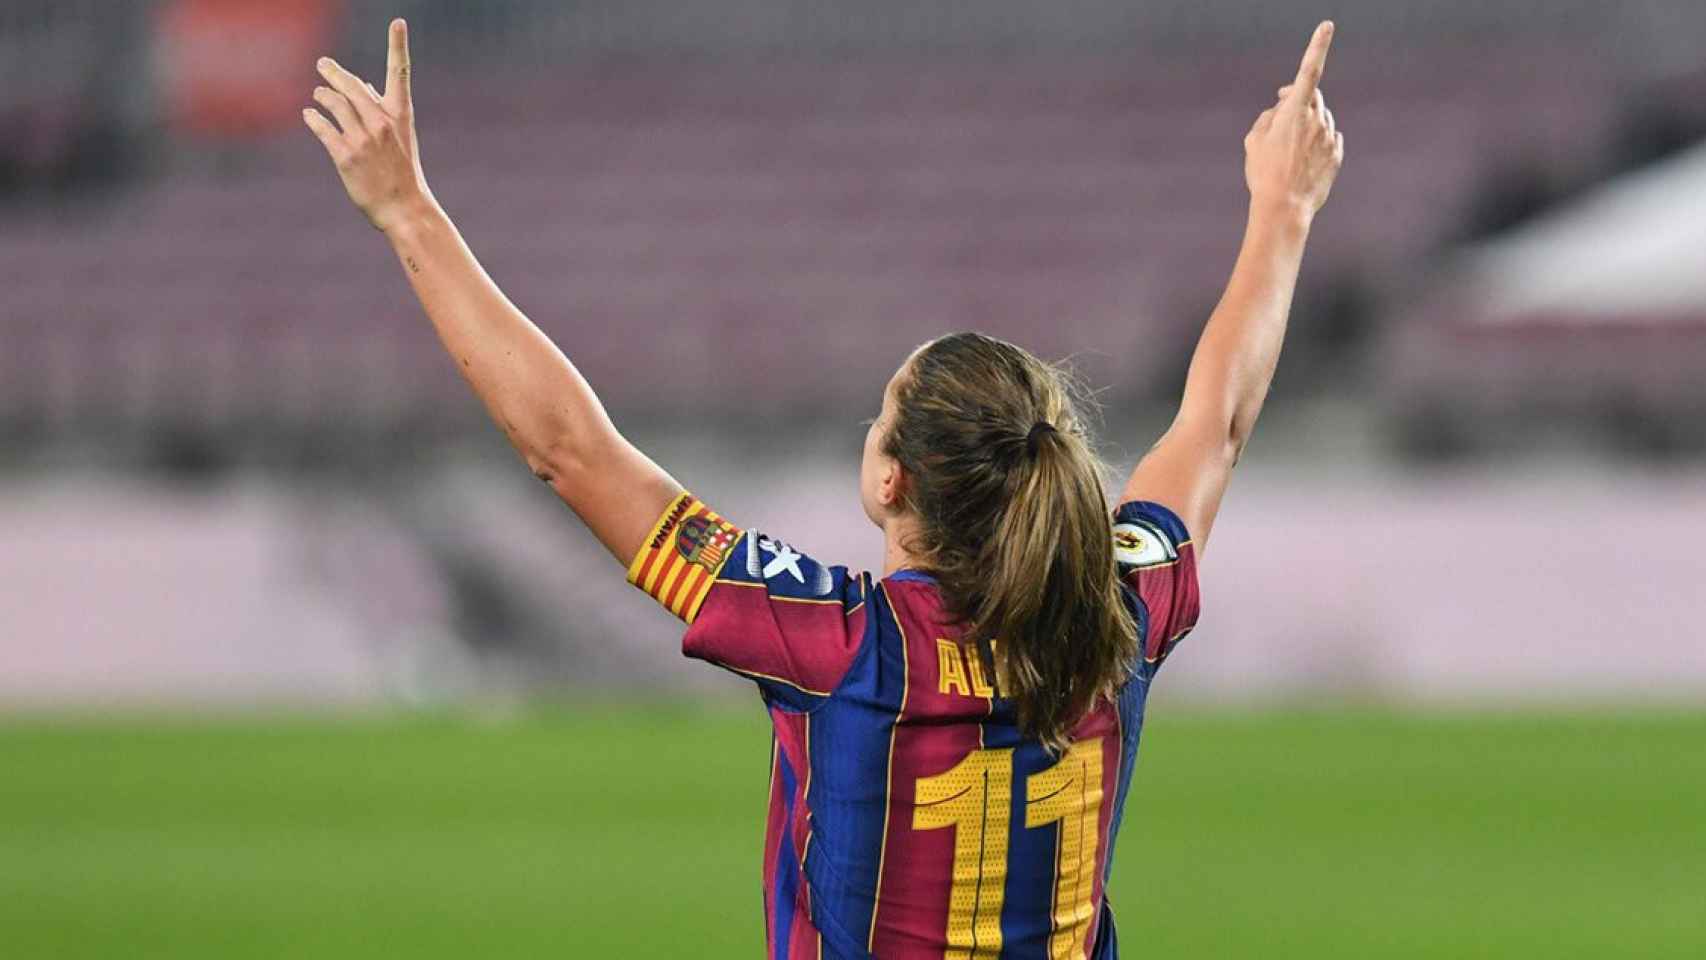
x=898, y=532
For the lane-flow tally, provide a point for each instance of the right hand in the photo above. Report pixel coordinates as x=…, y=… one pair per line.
x=373, y=143
x=1293, y=153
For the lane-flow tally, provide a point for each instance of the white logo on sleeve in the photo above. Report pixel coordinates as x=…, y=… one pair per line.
x=1140, y=545
x=786, y=558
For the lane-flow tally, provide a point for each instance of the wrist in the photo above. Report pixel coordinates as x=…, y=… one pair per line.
x=1286, y=215
x=412, y=218
x=1282, y=212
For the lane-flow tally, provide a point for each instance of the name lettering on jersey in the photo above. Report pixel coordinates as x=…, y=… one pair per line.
x=960, y=671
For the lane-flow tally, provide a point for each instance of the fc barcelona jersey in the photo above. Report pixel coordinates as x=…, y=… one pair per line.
x=909, y=818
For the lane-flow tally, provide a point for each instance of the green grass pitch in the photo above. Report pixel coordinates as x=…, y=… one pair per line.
x=635, y=832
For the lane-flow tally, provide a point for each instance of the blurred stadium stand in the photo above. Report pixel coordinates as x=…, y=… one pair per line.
x=739, y=216
x=819, y=217
x=1595, y=308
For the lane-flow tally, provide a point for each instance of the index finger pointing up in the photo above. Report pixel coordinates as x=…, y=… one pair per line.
x=1314, y=62
x=397, y=95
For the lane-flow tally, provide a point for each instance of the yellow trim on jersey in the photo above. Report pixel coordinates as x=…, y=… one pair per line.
x=755, y=675
x=1170, y=644
x=806, y=799
x=888, y=778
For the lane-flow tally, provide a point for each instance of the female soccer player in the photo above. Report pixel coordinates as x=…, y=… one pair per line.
x=954, y=737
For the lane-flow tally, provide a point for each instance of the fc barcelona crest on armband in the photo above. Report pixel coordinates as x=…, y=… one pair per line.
x=704, y=541
x=681, y=559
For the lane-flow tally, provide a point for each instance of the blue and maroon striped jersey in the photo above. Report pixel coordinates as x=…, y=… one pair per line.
x=909, y=819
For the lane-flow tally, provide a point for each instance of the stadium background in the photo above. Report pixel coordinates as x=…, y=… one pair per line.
x=295, y=657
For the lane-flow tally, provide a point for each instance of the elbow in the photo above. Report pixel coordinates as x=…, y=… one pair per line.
x=1235, y=437
x=1217, y=440
x=558, y=462
x=1239, y=428
x=1232, y=447
x=1234, y=453
x=543, y=469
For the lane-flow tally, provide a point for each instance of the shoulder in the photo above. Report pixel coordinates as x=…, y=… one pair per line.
x=761, y=559
x=1158, y=565
x=910, y=597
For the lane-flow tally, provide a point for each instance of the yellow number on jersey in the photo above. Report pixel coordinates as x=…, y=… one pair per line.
x=1070, y=793
x=974, y=797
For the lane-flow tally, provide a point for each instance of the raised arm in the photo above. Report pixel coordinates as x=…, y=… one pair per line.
x=532, y=391
x=1292, y=155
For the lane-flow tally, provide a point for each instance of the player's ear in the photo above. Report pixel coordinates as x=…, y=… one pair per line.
x=891, y=483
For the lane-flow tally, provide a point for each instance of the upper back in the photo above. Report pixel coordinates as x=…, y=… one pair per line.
x=909, y=816
x=991, y=839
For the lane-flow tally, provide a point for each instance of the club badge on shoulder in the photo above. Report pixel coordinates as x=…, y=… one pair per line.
x=1141, y=545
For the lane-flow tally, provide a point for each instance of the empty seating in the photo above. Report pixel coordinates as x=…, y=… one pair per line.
x=701, y=235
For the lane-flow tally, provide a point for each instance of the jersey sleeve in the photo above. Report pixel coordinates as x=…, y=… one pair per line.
x=753, y=604
x=1159, y=563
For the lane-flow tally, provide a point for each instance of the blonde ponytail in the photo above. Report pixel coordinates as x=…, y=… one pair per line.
x=1014, y=524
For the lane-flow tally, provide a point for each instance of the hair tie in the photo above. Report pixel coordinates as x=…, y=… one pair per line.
x=1034, y=437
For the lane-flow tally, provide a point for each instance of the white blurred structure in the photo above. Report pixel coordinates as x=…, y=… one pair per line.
x=1628, y=252
x=1575, y=586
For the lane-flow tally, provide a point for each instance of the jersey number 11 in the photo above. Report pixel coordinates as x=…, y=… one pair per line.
x=974, y=797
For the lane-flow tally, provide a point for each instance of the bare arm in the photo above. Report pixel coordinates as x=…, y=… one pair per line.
x=531, y=390
x=1292, y=155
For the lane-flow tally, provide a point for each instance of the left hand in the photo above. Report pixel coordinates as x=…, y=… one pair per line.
x=1294, y=151
x=373, y=142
